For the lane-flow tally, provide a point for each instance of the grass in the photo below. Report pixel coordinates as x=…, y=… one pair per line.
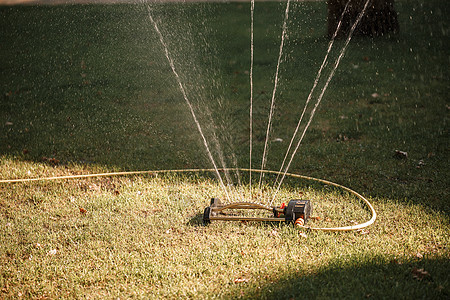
x=142, y=236
x=87, y=89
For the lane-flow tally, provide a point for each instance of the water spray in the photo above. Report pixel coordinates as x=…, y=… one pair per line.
x=297, y=211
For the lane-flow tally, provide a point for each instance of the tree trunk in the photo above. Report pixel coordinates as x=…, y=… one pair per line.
x=380, y=17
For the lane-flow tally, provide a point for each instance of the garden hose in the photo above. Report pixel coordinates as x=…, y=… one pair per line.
x=232, y=205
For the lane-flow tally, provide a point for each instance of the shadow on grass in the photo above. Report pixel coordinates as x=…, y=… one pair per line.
x=196, y=220
x=374, y=278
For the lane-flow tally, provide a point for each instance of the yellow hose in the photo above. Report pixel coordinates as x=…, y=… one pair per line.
x=345, y=228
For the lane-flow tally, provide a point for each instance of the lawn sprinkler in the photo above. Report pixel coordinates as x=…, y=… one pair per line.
x=296, y=212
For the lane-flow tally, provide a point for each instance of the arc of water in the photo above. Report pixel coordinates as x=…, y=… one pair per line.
x=222, y=159
x=237, y=173
x=252, y=9
x=218, y=148
x=180, y=85
x=338, y=60
x=316, y=81
x=269, y=123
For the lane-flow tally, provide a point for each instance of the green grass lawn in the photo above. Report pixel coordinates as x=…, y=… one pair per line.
x=87, y=89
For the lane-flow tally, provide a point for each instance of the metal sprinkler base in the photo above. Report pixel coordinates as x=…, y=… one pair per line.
x=297, y=212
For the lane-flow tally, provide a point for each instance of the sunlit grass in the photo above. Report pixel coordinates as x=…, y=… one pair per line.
x=142, y=235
